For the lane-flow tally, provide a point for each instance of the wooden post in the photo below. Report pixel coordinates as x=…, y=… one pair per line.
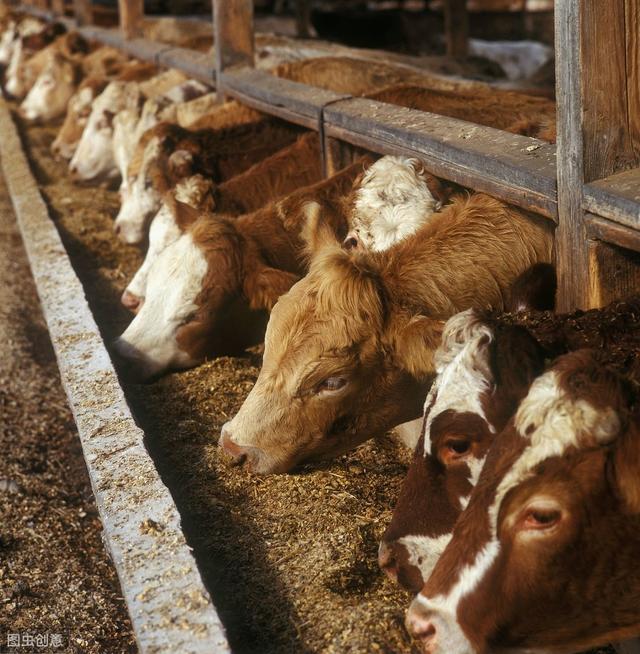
x=598, y=135
x=57, y=6
x=233, y=36
x=456, y=27
x=82, y=11
x=303, y=18
x=131, y=13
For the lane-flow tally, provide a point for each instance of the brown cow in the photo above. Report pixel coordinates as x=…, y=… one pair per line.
x=349, y=350
x=544, y=557
x=202, y=286
x=272, y=178
x=484, y=369
x=167, y=153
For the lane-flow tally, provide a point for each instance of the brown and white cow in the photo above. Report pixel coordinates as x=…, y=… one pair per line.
x=167, y=153
x=202, y=286
x=544, y=557
x=94, y=158
x=349, y=350
x=58, y=81
x=32, y=54
x=80, y=105
x=484, y=368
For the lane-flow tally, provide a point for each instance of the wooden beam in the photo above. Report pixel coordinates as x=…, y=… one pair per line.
x=456, y=27
x=597, y=132
x=131, y=13
x=517, y=169
x=83, y=12
x=613, y=233
x=616, y=197
x=620, y=267
x=233, y=36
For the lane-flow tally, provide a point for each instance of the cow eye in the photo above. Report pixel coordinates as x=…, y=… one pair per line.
x=540, y=517
x=459, y=447
x=147, y=184
x=332, y=384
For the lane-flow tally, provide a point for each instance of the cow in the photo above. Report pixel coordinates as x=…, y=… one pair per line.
x=59, y=79
x=31, y=54
x=349, y=349
x=93, y=159
x=392, y=200
x=80, y=105
x=13, y=29
x=168, y=153
x=217, y=271
x=292, y=167
x=130, y=124
x=544, y=557
x=484, y=367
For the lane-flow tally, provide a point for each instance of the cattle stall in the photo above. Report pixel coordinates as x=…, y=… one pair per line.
x=586, y=185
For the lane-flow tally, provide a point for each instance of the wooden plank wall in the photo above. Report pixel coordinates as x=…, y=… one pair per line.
x=131, y=13
x=598, y=136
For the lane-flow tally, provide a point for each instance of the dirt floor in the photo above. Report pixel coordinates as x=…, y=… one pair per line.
x=290, y=560
x=56, y=580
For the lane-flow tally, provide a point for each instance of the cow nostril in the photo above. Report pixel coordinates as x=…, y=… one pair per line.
x=387, y=561
x=130, y=300
x=350, y=243
x=421, y=627
x=117, y=229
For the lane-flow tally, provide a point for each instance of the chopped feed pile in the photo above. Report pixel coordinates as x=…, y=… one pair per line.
x=290, y=560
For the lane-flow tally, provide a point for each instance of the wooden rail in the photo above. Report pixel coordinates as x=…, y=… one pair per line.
x=588, y=184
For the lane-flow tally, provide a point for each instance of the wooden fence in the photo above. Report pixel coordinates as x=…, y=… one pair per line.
x=589, y=184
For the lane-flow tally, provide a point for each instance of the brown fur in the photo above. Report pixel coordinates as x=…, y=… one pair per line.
x=578, y=586
x=217, y=154
x=359, y=311
x=292, y=167
x=255, y=258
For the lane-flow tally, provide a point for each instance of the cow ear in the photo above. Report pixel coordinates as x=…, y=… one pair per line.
x=534, y=289
x=181, y=163
x=626, y=463
x=184, y=214
x=263, y=286
x=316, y=232
x=415, y=343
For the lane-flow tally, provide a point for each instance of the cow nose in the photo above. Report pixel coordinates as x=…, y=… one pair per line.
x=117, y=229
x=73, y=171
x=420, y=626
x=387, y=561
x=130, y=300
x=237, y=455
x=350, y=243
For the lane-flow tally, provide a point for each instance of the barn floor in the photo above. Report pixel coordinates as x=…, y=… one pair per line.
x=55, y=576
x=290, y=560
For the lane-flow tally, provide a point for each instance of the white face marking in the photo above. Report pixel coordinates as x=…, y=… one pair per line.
x=78, y=110
x=392, y=202
x=163, y=232
x=7, y=43
x=141, y=201
x=443, y=609
x=15, y=84
x=174, y=282
x=552, y=423
x=49, y=96
x=124, y=141
x=464, y=374
x=424, y=551
x=94, y=156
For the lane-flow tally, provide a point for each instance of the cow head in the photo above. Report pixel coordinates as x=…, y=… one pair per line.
x=78, y=112
x=93, y=158
x=484, y=369
x=341, y=365
x=49, y=96
x=205, y=296
x=195, y=191
x=544, y=557
x=155, y=167
x=394, y=197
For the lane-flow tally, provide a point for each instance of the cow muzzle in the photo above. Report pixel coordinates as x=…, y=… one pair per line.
x=238, y=455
